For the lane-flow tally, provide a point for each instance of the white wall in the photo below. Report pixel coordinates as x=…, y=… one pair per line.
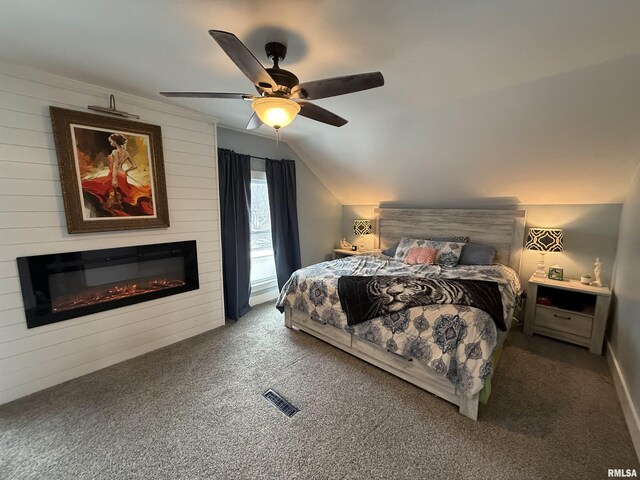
x=319, y=213
x=32, y=222
x=624, y=337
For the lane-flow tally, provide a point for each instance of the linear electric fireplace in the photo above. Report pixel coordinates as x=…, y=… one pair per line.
x=67, y=285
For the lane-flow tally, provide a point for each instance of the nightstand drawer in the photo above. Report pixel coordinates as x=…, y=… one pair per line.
x=563, y=321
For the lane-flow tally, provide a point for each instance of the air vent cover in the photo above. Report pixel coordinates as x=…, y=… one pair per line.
x=281, y=403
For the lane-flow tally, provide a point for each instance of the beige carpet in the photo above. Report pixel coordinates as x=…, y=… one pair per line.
x=194, y=410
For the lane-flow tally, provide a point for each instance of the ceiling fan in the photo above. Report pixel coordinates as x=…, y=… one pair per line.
x=281, y=95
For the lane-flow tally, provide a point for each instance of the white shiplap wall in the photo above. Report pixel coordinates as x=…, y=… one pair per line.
x=32, y=222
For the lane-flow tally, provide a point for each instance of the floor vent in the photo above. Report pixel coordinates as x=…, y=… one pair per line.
x=281, y=404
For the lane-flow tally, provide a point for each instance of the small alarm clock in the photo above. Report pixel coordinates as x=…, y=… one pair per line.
x=555, y=273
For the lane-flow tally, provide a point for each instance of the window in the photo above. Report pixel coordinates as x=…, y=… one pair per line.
x=263, y=267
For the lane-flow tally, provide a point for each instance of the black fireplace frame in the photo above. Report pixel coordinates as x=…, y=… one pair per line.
x=35, y=270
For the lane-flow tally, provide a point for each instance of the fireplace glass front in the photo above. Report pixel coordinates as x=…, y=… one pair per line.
x=67, y=285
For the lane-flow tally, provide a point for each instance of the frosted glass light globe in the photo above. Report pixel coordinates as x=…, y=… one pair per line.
x=276, y=112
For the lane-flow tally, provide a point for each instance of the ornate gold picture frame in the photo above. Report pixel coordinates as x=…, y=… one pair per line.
x=111, y=171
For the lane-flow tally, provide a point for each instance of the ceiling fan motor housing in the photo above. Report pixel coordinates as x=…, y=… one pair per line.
x=284, y=78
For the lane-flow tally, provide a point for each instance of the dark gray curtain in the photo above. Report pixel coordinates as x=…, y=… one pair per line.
x=234, y=178
x=281, y=184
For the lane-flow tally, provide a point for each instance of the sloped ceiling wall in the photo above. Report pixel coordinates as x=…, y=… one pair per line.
x=512, y=102
x=570, y=138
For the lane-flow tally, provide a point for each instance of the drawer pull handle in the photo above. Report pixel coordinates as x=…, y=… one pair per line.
x=321, y=322
x=398, y=355
x=561, y=316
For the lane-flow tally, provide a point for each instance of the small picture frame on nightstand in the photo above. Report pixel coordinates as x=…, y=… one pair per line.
x=556, y=273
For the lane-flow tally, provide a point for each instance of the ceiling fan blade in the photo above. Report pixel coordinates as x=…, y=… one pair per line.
x=254, y=122
x=319, y=114
x=238, y=96
x=244, y=59
x=331, y=87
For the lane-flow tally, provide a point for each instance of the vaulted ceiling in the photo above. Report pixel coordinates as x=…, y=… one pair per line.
x=531, y=101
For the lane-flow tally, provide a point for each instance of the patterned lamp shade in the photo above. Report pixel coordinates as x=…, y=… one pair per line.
x=362, y=227
x=545, y=239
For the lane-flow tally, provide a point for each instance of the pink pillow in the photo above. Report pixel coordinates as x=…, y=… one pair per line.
x=417, y=255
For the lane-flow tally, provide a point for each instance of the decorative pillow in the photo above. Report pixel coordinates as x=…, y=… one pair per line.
x=475, y=254
x=448, y=255
x=391, y=251
x=421, y=255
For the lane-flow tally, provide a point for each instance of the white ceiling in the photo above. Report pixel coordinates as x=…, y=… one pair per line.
x=505, y=101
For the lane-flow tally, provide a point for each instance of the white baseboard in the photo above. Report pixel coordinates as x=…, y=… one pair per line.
x=628, y=407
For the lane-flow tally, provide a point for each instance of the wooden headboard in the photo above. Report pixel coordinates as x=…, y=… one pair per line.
x=501, y=229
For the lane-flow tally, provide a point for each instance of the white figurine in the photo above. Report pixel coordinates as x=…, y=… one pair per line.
x=597, y=269
x=345, y=244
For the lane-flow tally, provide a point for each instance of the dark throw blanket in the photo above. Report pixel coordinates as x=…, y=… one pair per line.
x=364, y=298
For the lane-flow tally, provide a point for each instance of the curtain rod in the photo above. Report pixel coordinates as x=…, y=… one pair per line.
x=264, y=158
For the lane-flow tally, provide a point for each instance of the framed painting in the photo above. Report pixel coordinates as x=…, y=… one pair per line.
x=111, y=170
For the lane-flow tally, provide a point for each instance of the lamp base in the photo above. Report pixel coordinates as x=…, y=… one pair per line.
x=540, y=271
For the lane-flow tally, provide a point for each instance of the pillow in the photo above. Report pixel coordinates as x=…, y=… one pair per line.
x=475, y=254
x=448, y=255
x=421, y=255
x=391, y=251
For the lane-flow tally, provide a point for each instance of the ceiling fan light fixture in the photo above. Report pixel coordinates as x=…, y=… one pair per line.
x=276, y=112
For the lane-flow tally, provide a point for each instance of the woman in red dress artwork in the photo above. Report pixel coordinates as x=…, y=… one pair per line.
x=112, y=195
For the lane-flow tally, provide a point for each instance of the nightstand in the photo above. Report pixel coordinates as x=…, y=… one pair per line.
x=567, y=310
x=343, y=252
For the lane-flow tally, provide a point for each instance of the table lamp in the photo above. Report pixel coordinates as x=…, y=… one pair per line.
x=544, y=240
x=362, y=227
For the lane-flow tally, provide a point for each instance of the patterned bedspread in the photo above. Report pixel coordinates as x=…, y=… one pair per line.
x=455, y=341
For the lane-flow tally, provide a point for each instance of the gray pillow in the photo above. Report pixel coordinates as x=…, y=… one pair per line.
x=391, y=251
x=476, y=254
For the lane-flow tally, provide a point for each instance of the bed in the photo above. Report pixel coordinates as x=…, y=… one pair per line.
x=415, y=344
